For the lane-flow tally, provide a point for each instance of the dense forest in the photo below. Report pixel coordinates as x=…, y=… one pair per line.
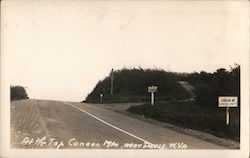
x=17, y=93
x=130, y=85
x=208, y=86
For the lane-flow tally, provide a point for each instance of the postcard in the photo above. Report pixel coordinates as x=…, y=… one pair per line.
x=124, y=78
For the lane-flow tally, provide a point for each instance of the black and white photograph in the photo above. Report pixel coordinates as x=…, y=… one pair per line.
x=124, y=78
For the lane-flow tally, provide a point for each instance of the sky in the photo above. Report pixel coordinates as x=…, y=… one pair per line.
x=59, y=50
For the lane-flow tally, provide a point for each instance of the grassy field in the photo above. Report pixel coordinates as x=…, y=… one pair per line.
x=190, y=115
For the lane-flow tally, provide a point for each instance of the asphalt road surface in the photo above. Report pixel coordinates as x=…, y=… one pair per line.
x=41, y=124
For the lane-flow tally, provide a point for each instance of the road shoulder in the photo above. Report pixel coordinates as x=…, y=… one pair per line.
x=231, y=144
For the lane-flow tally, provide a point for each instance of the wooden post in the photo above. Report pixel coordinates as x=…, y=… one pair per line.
x=152, y=98
x=227, y=115
x=101, y=95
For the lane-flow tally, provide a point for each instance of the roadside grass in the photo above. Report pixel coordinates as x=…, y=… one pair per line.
x=190, y=115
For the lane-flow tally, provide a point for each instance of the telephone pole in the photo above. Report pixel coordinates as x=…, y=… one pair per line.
x=112, y=82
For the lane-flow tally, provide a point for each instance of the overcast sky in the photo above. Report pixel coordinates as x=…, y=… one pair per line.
x=60, y=49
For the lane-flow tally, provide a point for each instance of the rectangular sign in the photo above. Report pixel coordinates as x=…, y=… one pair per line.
x=228, y=101
x=152, y=89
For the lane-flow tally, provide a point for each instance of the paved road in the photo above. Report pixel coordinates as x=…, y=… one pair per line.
x=55, y=124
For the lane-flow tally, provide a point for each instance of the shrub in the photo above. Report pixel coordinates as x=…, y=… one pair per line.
x=17, y=93
x=131, y=85
x=209, y=86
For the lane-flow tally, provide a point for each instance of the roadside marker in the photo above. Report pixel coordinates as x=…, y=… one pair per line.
x=152, y=90
x=101, y=95
x=227, y=101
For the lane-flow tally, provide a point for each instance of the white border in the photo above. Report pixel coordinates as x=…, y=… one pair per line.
x=243, y=152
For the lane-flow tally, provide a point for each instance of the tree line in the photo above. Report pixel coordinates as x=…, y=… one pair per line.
x=131, y=85
x=208, y=86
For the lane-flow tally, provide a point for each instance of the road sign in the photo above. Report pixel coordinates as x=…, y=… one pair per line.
x=227, y=101
x=152, y=89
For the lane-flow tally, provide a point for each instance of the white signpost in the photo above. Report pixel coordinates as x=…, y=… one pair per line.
x=101, y=95
x=228, y=101
x=152, y=90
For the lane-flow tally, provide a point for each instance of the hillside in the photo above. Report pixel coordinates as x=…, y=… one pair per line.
x=202, y=113
x=130, y=85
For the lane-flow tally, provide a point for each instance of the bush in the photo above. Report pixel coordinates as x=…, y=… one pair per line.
x=18, y=93
x=132, y=85
x=209, y=86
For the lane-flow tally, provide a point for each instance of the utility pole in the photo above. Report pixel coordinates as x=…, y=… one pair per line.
x=112, y=82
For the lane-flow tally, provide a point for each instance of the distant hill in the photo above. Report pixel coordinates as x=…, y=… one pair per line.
x=131, y=85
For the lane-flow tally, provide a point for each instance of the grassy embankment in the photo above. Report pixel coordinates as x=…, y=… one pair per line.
x=190, y=115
